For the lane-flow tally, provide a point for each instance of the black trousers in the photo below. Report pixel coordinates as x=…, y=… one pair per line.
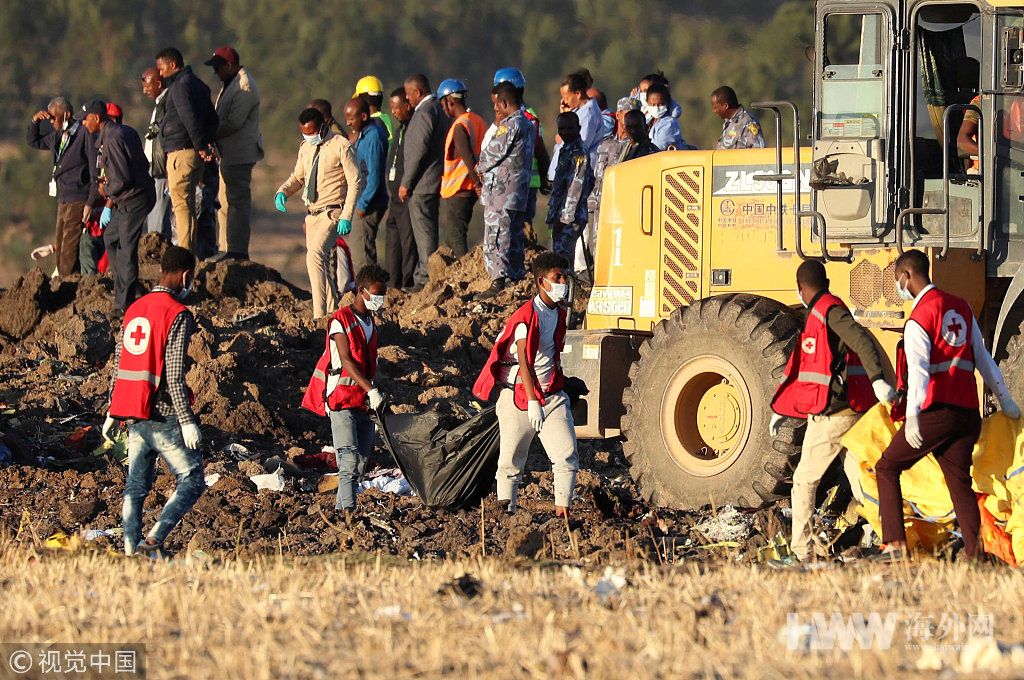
x=456, y=214
x=400, y=245
x=949, y=433
x=121, y=237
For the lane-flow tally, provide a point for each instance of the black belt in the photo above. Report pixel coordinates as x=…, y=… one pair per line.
x=314, y=213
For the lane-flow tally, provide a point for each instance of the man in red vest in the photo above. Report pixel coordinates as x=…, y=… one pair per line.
x=834, y=374
x=525, y=366
x=942, y=347
x=342, y=384
x=149, y=395
x=459, y=178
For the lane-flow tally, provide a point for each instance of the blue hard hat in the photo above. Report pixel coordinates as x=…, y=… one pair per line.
x=450, y=86
x=510, y=75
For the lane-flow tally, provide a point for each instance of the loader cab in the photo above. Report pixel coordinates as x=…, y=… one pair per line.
x=895, y=81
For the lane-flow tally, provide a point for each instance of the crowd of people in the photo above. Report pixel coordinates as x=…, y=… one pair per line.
x=418, y=168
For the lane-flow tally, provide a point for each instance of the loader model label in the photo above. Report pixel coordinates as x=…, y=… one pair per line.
x=611, y=301
x=746, y=181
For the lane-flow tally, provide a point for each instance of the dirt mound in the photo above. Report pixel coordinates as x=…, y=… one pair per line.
x=252, y=357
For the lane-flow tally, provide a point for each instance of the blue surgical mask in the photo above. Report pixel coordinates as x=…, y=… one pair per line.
x=657, y=111
x=800, y=297
x=313, y=139
x=904, y=292
x=186, y=289
x=374, y=303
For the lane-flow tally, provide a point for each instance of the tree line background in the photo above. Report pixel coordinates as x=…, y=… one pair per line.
x=297, y=51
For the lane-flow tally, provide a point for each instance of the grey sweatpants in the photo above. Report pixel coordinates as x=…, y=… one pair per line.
x=557, y=435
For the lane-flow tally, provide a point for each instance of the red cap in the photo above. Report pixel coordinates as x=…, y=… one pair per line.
x=113, y=110
x=223, y=53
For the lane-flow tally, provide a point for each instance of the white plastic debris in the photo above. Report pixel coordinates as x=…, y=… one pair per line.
x=93, y=534
x=388, y=480
x=272, y=481
x=239, y=452
x=393, y=612
x=211, y=479
x=729, y=524
x=610, y=585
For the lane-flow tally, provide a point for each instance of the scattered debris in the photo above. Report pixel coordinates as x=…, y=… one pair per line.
x=728, y=524
x=467, y=586
x=392, y=612
x=272, y=481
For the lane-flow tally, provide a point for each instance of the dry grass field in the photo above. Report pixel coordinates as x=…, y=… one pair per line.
x=361, y=616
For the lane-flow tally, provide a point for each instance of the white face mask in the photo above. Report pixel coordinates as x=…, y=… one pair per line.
x=558, y=291
x=800, y=297
x=374, y=303
x=313, y=139
x=904, y=292
x=186, y=289
x=657, y=111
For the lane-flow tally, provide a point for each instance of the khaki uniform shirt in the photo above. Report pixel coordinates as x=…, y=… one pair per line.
x=338, y=180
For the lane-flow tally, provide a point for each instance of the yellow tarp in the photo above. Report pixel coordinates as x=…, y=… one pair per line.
x=928, y=511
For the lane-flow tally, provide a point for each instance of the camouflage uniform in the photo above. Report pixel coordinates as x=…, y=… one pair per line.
x=570, y=191
x=505, y=165
x=742, y=131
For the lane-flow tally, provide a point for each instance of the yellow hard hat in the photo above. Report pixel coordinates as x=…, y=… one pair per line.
x=369, y=85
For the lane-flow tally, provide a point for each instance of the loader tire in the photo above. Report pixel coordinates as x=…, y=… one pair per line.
x=698, y=406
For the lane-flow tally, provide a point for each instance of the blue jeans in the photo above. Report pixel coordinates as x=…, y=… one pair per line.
x=146, y=439
x=353, y=432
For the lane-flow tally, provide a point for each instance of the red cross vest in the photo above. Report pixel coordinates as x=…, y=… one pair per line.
x=488, y=377
x=143, y=343
x=346, y=393
x=949, y=322
x=806, y=385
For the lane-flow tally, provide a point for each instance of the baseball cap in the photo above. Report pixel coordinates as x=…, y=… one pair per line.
x=628, y=104
x=97, y=106
x=224, y=53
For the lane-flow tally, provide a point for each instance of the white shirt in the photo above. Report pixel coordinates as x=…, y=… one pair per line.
x=544, y=361
x=918, y=348
x=152, y=119
x=424, y=101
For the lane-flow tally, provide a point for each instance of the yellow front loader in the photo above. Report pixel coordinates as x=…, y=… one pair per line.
x=694, y=308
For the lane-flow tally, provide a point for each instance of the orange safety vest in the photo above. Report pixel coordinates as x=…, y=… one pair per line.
x=812, y=368
x=949, y=323
x=488, y=377
x=346, y=393
x=456, y=175
x=141, y=366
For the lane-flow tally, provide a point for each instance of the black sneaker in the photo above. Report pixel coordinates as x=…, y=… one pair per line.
x=497, y=285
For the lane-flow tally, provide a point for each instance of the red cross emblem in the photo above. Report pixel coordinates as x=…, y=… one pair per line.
x=954, y=328
x=136, y=336
x=808, y=345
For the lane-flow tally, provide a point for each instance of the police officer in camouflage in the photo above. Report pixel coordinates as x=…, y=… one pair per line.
x=505, y=165
x=740, y=130
x=574, y=180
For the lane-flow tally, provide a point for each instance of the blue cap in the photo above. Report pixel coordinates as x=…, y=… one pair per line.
x=450, y=86
x=510, y=75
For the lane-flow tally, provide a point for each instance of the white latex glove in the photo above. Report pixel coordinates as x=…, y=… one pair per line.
x=376, y=399
x=108, y=425
x=774, y=424
x=192, y=436
x=42, y=251
x=883, y=391
x=913, y=432
x=1009, y=407
x=536, y=414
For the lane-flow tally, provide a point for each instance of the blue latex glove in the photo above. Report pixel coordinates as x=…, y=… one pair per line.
x=279, y=201
x=105, y=216
x=344, y=227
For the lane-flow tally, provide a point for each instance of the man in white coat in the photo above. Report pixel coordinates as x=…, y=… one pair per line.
x=240, y=146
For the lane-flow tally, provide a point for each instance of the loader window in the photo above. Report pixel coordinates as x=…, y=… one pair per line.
x=853, y=76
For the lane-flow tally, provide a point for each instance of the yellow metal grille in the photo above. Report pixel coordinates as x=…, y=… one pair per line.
x=681, y=238
x=892, y=298
x=865, y=284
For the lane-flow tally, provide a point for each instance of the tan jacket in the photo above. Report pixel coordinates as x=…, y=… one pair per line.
x=338, y=181
x=238, y=109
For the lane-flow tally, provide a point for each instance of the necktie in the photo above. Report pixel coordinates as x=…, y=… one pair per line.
x=311, y=180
